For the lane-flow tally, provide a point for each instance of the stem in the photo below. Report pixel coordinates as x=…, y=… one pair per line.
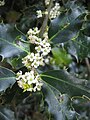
x=88, y=66
x=12, y=4
x=44, y=25
x=63, y=2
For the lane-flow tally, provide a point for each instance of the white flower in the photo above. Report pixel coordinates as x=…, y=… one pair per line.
x=2, y=3
x=38, y=48
x=37, y=42
x=38, y=83
x=43, y=43
x=33, y=35
x=24, y=61
x=47, y=2
x=47, y=60
x=33, y=31
x=27, y=61
x=46, y=12
x=45, y=35
x=35, y=64
x=29, y=77
x=39, y=13
x=30, y=32
x=32, y=38
x=24, y=78
x=20, y=84
x=32, y=72
x=37, y=87
x=36, y=30
x=19, y=75
x=30, y=89
x=45, y=51
x=30, y=81
x=31, y=57
x=42, y=61
x=55, y=11
x=37, y=56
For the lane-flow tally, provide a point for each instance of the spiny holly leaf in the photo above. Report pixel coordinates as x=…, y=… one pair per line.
x=83, y=46
x=86, y=28
x=68, y=32
x=7, y=78
x=80, y=47
x=58, y=104
x=8, y=46
x=65, y=83
x=75, y=4
x=67, y=25
x=15, y=62
x=6, y=114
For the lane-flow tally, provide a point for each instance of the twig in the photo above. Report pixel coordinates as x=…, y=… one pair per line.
x=88, y=66
x=44, y=25
x=12, y=4
x=63, y=2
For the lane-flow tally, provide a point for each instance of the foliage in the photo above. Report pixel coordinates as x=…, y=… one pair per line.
x=65, y=94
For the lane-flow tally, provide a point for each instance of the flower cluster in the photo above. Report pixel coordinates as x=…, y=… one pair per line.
x=42, y=45
x=55, y=11
x=47, y=2
x=33, y=35
x=33, y=60
x=30, y=81
x=39, y=13
x=2, y=3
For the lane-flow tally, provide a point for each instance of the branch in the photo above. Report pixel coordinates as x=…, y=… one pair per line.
x=44, y=25
x=88, y=66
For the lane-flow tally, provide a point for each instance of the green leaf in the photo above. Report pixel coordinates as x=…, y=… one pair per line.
x=80, y=47
x=61, y=57
x=7, y=78
x=75, y=4
x=58, y=104
x=68, y=32
x=6, y=114
x=16, y=62
x=8, y=46
x=86, y=28
x=83, y=46
x=66, y=83
x=68, y=24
